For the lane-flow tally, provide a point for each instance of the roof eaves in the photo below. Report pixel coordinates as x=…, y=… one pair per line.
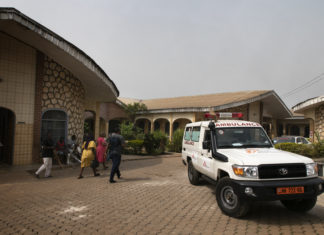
x=308, y=103
x=220, y=107
x=42, y=31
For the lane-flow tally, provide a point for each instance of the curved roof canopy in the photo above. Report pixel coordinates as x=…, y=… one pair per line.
x=308, y=104
x=220, y=101
x=97, y=84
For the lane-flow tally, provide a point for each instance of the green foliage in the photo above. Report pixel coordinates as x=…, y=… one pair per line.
x=149, y=143
x=126, y=130
x=131, y=132
x=319, y=145
x=161, y=138
x=155, y=143
x=302, y=149
x=133, y=109
x=135, y=146
x=176, y=144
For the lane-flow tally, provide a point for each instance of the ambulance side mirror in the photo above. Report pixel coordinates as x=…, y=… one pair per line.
x=206, y=144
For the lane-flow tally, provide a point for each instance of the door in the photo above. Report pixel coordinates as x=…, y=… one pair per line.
x=55, y=122
x=206, y=161
x=7, y=133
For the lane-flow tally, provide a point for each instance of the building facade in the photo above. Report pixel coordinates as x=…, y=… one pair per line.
x=46, y=85
x=313, y=111
x=170, y=114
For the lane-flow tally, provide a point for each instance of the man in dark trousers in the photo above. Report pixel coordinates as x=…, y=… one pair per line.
x=115, y=146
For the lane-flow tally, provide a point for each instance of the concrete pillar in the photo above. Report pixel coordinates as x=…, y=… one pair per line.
x=302, y=130
x=171, y=131
x=274, y=128
x=311, y=130
x=162, y=126
x=284, y=129
x=107, y=128
x=97, y=121
x=152, y=126
x=146, y=126
x=171, y=126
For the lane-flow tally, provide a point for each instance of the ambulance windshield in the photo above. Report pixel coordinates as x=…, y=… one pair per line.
x=242, y=137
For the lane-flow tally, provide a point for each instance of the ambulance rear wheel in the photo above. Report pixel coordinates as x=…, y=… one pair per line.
x=193, y=174
x=228, y=200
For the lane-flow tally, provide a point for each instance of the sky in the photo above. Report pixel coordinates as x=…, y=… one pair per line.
x=169, y=48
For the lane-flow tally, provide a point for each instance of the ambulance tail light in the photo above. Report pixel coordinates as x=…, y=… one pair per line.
x=223, y=115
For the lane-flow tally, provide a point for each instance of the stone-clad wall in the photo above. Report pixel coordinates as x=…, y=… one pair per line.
x=61, y=90
x=319, y=121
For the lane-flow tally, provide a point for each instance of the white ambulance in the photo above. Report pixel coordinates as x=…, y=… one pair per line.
x=240, y=158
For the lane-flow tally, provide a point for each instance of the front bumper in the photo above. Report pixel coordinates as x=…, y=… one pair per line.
x=266, y=190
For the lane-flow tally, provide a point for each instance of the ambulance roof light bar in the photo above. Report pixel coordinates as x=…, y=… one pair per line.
x=223, y=115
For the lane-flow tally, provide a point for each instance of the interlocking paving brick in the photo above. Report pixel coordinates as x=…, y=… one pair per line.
x=154, y=197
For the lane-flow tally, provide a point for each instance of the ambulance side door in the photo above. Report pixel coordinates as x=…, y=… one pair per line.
x=188, y=146
x=206, y=161
x=196, y=150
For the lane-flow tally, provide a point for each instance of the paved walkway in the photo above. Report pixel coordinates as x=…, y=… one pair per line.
x=154, y=197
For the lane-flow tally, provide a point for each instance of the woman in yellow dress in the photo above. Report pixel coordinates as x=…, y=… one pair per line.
x=88, y=155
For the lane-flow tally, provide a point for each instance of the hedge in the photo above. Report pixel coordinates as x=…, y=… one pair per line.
x=307, y=150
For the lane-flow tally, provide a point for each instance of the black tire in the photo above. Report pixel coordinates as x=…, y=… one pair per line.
x=300, y=205
x=228, y=200
x=193, y=174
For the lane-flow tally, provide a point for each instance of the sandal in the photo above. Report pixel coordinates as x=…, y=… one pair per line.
x=80, y=177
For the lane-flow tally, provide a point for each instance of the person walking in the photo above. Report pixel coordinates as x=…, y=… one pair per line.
x=101, y=149
x=47, y=155
x=88, y=155
x=61, y=150
x=115, y=145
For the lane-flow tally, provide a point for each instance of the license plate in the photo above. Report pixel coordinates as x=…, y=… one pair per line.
x=290, y=190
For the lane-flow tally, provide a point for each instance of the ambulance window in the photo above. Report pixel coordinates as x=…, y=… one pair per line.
x=187, y=134
x=195, y=134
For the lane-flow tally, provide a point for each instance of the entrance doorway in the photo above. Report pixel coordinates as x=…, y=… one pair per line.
x=7, y=133
x=55, y=122
x=89, y=123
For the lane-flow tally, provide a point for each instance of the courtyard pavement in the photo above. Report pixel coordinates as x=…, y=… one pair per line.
x=153, y=197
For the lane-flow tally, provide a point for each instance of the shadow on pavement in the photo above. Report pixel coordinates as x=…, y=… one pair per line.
x=124, y=180
x=26, y=173
x=275, y=213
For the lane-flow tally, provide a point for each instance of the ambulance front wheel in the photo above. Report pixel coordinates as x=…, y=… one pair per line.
x=193, y=174
x=228, y=200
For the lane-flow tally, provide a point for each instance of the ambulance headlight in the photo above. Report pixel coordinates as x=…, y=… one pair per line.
x=311, y=169
x=246, y=171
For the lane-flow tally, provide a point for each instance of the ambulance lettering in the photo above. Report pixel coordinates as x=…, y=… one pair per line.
x=189, y=142
x=236, y=124
x=205, y=165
